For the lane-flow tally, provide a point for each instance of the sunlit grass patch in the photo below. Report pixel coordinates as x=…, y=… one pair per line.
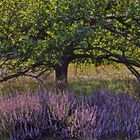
x=81, y=79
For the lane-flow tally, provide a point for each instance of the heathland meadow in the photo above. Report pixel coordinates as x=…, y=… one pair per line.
x=100, y=103
x=69, y=69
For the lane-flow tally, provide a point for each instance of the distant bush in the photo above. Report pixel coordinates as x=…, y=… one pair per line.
x=98, y=115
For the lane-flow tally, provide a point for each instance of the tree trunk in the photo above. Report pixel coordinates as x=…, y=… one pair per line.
x=61, y=75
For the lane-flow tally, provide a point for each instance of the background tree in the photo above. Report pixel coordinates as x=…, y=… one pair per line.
x=43, y=35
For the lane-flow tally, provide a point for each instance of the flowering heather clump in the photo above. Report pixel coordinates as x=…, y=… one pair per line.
x=59, y=105
x=82, y=121
x=101, y=114
x=19, y=115
x=69, y=117
x=117, y=115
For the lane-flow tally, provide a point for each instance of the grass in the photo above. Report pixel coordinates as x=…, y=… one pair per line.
x=90, y=79
x=81, y=78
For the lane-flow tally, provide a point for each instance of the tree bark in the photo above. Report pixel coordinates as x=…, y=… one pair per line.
x=134, y=71
x=61, y=76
